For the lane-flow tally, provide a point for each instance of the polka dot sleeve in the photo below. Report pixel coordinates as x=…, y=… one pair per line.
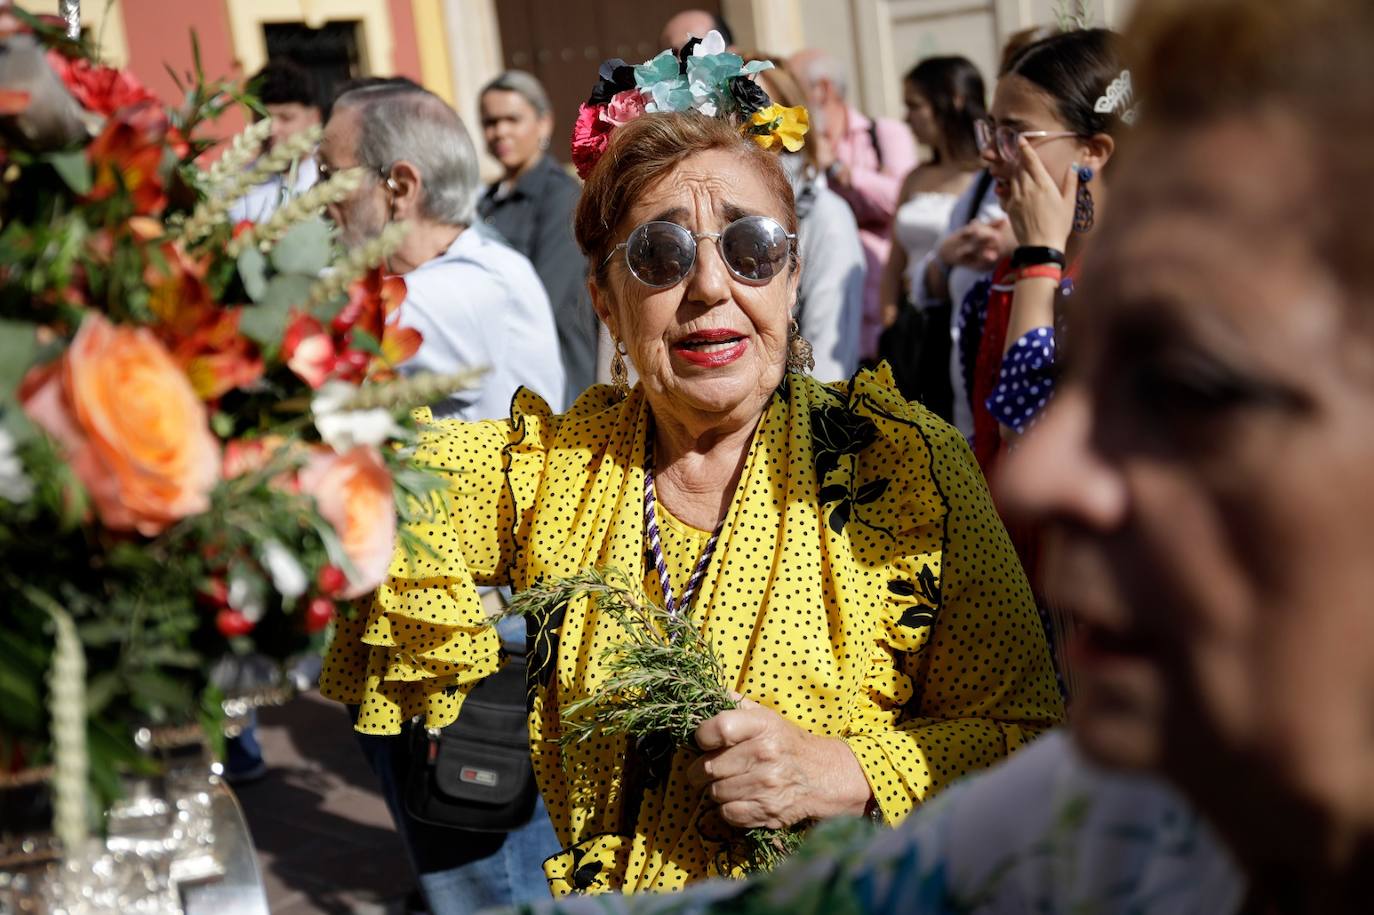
x=420, y=644
x=978, y=681
x=1026, y=382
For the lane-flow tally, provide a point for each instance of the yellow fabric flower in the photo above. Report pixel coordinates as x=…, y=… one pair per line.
x=782, y=125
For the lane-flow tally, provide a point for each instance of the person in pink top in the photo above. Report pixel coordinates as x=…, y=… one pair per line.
x=865, y=160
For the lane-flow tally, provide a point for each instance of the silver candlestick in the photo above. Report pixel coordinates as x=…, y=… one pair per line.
x=71, y=11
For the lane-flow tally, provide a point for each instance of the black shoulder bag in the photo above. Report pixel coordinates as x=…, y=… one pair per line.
x=475, y=774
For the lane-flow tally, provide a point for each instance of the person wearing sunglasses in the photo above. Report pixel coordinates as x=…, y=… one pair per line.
x=834, y=542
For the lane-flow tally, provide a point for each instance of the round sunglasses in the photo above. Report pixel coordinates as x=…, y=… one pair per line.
x=661, y=254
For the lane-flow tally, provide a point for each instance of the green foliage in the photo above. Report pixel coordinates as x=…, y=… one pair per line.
x=663, y=678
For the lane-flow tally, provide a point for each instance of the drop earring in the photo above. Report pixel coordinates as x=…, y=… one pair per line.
x=800, y=359
x=620, y=375
x=1083, y=216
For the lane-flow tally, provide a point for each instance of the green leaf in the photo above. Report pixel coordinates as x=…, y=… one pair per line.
x=364, y=341
x=253, y=272
x=304, y=249
x=265, y=323
x=288, y=291
x=156, y=689
x=18, y=350
x=74, y=168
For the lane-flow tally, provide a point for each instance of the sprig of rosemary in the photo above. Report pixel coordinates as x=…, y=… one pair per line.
x=662, y=678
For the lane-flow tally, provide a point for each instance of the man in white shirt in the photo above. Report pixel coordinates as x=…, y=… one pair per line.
x=476, y=302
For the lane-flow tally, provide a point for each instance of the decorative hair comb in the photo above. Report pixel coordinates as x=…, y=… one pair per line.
x=702, y=77
x=1119, y=99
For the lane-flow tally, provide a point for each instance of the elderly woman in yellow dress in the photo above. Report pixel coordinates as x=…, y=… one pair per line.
x=835, y=543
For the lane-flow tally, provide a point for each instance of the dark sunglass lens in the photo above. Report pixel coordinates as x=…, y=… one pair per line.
x=661, y=253
x=755, y=247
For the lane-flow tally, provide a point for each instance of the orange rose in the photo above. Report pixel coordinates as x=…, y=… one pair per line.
x=353, y=493
x=133, y=429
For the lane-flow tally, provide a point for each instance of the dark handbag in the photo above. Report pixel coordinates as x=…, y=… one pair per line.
x=475, y=774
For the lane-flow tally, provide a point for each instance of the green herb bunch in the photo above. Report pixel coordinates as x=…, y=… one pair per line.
x=664, y=678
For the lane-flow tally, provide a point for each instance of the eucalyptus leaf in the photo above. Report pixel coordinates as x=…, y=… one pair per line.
x=304, y=249
x=265, y=323
x=74, y=168
x=253, y=272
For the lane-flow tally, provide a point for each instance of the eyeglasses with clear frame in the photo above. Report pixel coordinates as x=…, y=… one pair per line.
x=661, y=254
x=1004, y=139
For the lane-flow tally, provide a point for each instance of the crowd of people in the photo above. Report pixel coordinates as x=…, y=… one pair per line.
x=1123, y=288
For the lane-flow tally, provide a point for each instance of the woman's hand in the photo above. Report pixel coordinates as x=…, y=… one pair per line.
x=976, y=246
x=1040, y=210
x=764, y=771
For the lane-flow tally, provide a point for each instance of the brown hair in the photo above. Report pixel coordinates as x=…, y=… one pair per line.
x=648, y=150
x=1201, y=61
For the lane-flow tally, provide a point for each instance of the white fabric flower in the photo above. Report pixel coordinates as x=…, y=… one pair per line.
x=15, y=485
x=246, y=597
x=287, y=575
x=713, y=43
x=344, y=429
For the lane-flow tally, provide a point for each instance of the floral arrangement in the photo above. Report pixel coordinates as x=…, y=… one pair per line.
x=203, y=439
x=702, y=77
x=664, y=681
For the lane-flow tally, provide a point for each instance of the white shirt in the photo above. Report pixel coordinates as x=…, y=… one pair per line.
x=262, y=201
x=481, y=305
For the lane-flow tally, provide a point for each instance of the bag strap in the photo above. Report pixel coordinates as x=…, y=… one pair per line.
x=980, y=193
x=873, y=138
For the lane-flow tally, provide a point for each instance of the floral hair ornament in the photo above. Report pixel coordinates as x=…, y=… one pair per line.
x=1119, y=99
x=702, y=77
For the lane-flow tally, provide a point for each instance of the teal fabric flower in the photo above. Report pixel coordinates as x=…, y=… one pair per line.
x=661, y=68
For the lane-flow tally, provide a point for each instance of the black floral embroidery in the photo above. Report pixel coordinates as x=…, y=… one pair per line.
x=838, y=432
x=927, y=589
x=541, y=639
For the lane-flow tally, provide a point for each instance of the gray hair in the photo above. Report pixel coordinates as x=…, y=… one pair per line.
x=523, y=84
x=820, y=65
x=400, y=122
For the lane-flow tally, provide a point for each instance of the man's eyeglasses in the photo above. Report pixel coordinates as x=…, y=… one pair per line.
x=1004, y=139
x=661, y=254
x=325, y=172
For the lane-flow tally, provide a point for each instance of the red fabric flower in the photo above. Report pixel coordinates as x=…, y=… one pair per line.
x=103, y=90
x=590, y=135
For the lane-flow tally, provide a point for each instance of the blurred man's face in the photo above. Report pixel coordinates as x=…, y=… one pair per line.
x=683, y=26
x=361, y=217
x=290, y=118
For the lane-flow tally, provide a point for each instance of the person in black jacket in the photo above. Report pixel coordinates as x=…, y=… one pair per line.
x=532, y=205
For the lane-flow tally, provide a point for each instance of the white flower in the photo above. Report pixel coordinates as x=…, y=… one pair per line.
x=344, y=429
x=287, y=575
x=713, y=43
x=15, y=485
x=245, y=596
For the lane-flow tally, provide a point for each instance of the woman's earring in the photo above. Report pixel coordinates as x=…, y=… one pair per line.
x=1083, y=206
x=799, y=356
x=620, y=375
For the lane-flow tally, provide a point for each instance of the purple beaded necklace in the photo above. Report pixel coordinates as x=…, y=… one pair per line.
x=676, y=608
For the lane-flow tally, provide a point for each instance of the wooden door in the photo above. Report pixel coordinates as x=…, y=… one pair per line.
x=563, y=43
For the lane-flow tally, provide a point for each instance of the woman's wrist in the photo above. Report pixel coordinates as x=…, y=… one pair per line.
x=842, y=789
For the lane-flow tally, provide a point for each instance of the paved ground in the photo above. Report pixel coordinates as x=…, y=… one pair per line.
x=324, y=837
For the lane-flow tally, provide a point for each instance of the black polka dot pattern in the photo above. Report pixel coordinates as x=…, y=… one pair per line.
x=863, y=587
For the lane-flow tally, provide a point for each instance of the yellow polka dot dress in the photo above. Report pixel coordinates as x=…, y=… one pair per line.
x=862, y=587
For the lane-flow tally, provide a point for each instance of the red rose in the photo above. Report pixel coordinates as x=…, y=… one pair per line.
x=590, y=135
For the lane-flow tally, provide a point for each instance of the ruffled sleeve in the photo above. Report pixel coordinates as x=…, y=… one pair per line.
x=422, y=642
x=961, y=674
